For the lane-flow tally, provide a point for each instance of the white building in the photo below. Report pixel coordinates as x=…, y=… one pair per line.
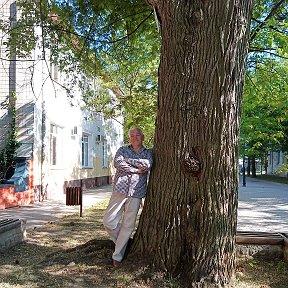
x=276, y=163
x=66, y=144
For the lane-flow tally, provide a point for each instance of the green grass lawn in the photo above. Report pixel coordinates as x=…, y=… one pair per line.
x=273, y=178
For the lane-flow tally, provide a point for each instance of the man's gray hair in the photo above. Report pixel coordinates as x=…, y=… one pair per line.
x=136, y=129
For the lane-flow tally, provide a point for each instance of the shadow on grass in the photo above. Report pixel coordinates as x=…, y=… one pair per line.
x=86, y=265
x=71, y=252
x=75, y=252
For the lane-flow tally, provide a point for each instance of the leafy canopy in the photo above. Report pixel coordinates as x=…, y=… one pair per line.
x=265, y=113
x=118, y=43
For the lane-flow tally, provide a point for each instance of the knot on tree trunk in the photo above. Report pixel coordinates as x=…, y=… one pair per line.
x=191, y=164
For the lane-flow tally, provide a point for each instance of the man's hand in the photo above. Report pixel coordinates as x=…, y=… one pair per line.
x=138, y=171
x=141, y=171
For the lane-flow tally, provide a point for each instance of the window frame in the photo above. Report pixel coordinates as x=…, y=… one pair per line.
x=56, y=145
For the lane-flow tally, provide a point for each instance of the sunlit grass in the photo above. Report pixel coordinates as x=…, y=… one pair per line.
x=57, y=255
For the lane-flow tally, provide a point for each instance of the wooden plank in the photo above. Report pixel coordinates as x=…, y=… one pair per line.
x=4, y=222
x=259, y=238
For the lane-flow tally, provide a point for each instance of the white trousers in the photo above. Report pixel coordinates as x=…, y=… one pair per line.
x=119, y=221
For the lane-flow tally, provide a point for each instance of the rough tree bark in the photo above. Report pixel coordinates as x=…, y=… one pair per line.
x=189, y=220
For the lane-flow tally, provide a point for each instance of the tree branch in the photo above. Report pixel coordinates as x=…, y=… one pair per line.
x=270, y=15
x=129, y=34
x=269, y=26
x=263, y=50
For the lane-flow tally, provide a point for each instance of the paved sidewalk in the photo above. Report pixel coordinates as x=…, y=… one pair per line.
x=40, y=213
x=263, y=207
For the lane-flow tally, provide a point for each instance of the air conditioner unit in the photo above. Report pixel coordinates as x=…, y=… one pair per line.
x=74, y=131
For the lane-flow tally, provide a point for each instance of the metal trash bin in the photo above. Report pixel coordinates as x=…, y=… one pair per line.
x=74, y=197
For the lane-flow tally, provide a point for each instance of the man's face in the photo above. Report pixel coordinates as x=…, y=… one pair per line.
x=136, y=138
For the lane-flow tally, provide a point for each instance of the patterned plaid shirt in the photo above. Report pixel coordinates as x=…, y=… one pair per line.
x=127, y=180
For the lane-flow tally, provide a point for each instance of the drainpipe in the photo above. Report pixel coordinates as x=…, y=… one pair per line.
x=42, y=156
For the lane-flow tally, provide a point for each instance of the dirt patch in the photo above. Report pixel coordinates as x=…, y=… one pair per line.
x=75, y=252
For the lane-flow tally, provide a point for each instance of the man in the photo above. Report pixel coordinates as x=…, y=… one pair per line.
x=132, y=165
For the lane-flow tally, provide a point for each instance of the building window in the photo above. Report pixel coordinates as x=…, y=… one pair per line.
x=56, y=145
x=54, y=72
x=84, y=161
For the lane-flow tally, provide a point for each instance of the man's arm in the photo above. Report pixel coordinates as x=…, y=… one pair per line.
x=144, y=164
x=122, y=165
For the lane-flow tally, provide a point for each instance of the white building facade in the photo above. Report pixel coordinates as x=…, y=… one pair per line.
x=66, y=143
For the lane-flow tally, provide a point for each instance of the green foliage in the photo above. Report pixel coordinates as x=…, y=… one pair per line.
x=8, y=152
x=265, y=115
x=136, y=80
x=269, y=26
x=121, y=48
x=117, y=43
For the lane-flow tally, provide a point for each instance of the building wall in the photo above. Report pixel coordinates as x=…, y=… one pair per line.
x=7, y=71
x=51, y=126
x=276, y=161
x=54, y=111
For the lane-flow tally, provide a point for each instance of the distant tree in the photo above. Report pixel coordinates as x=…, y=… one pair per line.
x=263, y=117
x=265, y=114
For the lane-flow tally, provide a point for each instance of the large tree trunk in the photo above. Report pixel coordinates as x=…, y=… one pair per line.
x=189, y=220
